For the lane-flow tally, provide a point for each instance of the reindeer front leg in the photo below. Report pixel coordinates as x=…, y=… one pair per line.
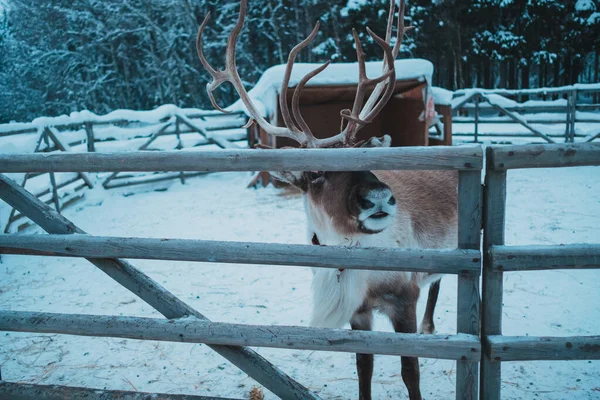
x=363, y=321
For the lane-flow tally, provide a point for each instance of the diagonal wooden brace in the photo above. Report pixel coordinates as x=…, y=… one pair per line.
x=152, y=293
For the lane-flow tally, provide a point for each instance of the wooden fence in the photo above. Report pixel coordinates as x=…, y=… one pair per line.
x=187, y=128
x=476, y=106
x=499, y=258
x=189, y=325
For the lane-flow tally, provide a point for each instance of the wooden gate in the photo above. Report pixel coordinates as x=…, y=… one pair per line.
x=184, y=324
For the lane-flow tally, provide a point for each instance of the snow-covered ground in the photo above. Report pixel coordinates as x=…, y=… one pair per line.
x=544, y=207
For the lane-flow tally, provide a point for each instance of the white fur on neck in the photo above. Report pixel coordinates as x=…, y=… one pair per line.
x=338, y=294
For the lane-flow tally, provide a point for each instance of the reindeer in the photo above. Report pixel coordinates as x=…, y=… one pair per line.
x=408, y=209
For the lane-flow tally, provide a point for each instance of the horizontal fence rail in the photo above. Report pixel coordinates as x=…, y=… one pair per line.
x=386, y=259
x=464, y=158
x=26, y=391
x=533, y=258
x=545, y=156
x=194, y=330
x=526, y=348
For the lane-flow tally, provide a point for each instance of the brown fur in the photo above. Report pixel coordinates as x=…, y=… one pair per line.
x=430, y=198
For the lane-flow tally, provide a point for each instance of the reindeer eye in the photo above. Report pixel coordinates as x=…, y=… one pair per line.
x=314, y=175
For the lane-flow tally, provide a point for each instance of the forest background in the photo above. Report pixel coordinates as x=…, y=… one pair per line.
x=59, y=56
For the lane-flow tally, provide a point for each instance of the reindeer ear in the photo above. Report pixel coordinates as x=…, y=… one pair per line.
x=384, y=141
x=294, y=178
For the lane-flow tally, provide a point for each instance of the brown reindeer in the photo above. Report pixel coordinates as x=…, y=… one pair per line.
x=408, y=209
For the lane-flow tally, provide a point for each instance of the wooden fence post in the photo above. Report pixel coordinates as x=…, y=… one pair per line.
x=52, y=177
x=573, y=114
x=493, y=234
x=89, y=132
x=179, y=147
x=568, y=120
x=476, y=129
x=469, y=231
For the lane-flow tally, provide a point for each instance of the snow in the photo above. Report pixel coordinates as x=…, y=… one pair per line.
x=501, y=101
x=264, y=93
x=441, y=96
x=543, y=207
x=585, y=5
x=594, y=18
x=352, y=5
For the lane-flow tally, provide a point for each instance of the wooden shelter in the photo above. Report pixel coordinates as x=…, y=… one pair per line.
x=407, y=117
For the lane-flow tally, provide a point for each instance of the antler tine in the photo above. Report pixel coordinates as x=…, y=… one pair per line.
x=311, y=140
x=355, y=123
x=390, y=22
x=401, y=29
x=385, y=88
x=230, y=74
x=218, y=76
x=283, y=105
x=389, y=89
x=399, y=36
x=200, y=50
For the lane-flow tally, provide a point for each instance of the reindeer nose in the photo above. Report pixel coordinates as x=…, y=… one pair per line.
x=376, y=199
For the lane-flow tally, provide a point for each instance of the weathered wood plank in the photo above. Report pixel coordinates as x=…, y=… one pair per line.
x=387, y=259
x=160, y=132
x=89, y=134
x=221, y=142
x=179, y=147
x=195, y=330
x=53, y=133
x=476, y=130
x=26, y=391
x=469, y=232
x=517, y=118
x=526, y=348
x=492, y=283
x=53, y=188
x=120, y=181
x=396, y=158
x=152, y=293
x=533, y=258
x=592, y=137
x=545, y=155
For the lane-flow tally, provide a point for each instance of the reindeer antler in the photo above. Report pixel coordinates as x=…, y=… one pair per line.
x=300, y=131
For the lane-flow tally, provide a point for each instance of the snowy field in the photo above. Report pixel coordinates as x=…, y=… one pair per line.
x=544, y=207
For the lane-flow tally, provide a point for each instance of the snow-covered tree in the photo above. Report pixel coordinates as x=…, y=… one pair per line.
x=60, y=56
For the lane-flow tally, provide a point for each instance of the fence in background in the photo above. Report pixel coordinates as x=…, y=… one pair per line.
x=560, y=105
x=178, y=128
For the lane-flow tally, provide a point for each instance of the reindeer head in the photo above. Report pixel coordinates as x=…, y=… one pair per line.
x=349, y=202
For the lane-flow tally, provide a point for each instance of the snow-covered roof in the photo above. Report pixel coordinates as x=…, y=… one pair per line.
x=266, y=89
x=442, y=96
